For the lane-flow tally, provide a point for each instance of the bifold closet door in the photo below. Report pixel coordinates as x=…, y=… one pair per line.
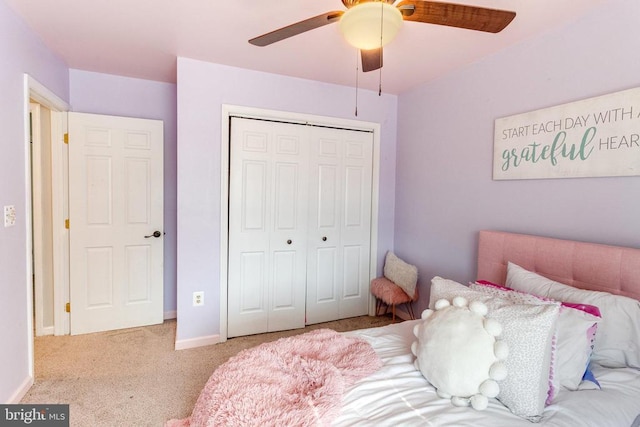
x=268, y=198
x=341, y=164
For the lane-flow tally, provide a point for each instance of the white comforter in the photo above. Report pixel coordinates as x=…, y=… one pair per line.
x=398, y=395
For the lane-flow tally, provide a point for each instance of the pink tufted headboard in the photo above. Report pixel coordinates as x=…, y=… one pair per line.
x=592, y=266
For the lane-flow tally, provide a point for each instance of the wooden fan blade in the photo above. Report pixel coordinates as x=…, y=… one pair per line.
x=297, y=28
x=371, y=59
x=456, y=15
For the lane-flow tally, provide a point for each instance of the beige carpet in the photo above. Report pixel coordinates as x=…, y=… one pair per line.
x=133, y=377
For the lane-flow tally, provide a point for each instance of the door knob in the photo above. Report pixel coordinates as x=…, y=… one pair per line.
x=289, y=242
x=155, y=234
x=324, y=238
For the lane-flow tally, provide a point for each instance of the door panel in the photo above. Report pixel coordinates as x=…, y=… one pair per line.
x=286, y=194
x=249, y=238
x=254, y=196
x=324, y=268
x=138, y=267
x=327, y=187
x=99, y=199
x=252, y=283
x=267, y=216
x=325, y=277
x=138, y=185
x=340, y=218
x=353, y=197
x=115, y=200
x=352, y=259
x=99, y=263
x=356, y=227
x=284, y=280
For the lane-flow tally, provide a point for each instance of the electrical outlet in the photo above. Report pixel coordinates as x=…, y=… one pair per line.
x=9, y=216
x=198, y=298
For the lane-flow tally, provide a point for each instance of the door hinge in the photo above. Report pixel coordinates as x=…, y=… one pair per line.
x=66, y=138
x=67, y=307
x=66, y=223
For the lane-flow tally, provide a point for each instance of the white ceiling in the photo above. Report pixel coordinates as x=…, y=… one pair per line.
x=142, y=38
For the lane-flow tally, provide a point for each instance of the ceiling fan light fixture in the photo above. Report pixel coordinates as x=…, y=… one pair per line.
x=361, y=25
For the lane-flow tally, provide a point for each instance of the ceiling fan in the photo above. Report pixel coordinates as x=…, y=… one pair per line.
x=371, y=24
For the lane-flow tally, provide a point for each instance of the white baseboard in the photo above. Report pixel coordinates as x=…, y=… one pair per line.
x=21, y=391
x=46, y=330
x=197, y=342
x=170, y=315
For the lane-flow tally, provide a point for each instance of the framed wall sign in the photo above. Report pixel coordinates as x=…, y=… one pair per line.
x=589, y=138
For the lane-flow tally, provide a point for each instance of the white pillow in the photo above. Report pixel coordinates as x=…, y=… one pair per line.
x=574, y=338
x=618, y=340
x=402, y=274
x=458, y=353
x=528, y=330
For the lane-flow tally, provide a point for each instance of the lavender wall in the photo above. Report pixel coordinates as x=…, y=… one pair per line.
x=124, y=96
x=444, y=190
x=202, y=89
x=21, y=52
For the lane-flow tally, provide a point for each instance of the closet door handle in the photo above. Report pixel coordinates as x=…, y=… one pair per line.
x=289, y=242
x=324, y=238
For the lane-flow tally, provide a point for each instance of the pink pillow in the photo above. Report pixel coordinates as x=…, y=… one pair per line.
x=591, y=309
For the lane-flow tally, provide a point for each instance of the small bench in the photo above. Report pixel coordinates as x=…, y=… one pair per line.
x=388, y=294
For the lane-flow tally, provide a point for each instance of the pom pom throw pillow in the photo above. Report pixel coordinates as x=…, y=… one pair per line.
x=458, y=353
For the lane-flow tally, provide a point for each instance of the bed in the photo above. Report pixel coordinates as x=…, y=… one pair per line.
x=541, y=386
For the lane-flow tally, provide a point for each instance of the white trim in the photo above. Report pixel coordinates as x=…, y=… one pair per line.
x=59, y=212
x=32, y=89
x=39, y=93
x=171, y=314
x=47, y=330
x=35, y=111
x=235, y=110
x=21, y=391
x=375, y=200
x=197, y=342
x=29, y=230
x=227, y=111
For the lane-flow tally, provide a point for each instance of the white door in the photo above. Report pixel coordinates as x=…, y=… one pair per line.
x=116, y=222
x=267, y=226
x=339, y=224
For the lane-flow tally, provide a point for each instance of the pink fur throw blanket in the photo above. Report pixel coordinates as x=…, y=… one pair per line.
x=297, y=380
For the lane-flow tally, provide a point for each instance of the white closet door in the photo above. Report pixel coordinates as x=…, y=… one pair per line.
x=267, y=226
x=341, y=164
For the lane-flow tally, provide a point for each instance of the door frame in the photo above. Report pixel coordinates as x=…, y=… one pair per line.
x=297, y=118
x=40, y=94
x=36, y=91
x=40, y=226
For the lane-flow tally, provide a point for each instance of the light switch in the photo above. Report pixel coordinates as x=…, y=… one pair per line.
x=9, y=216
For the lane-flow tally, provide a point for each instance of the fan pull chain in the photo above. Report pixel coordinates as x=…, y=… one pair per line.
x=380, y=69
x=357, y=71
